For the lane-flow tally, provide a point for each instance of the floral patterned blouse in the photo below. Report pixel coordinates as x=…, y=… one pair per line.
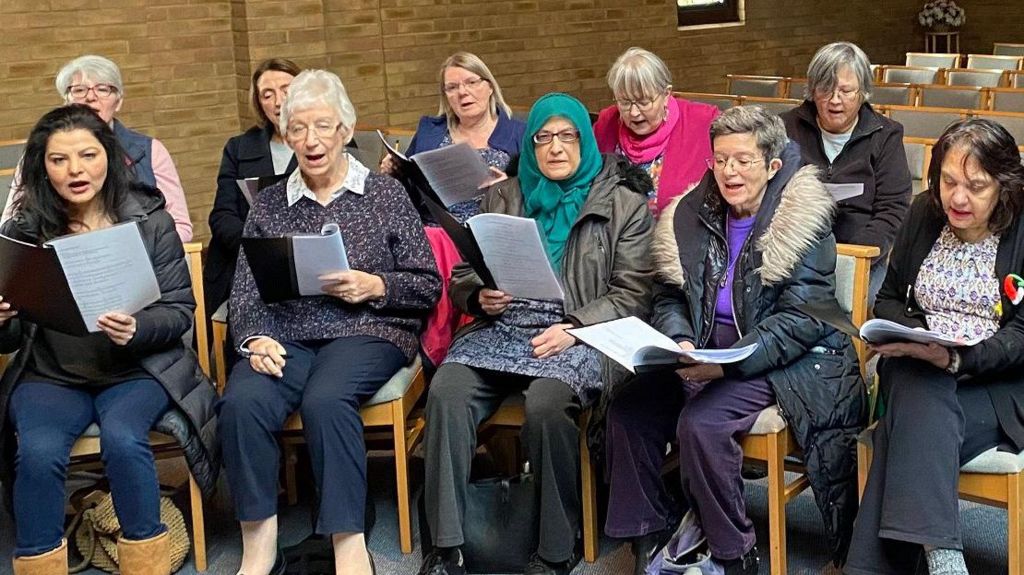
x=957, y=287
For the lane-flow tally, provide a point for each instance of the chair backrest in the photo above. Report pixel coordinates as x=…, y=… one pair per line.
x=6, y=177
x=893, y=94
x=925, y=122
x=773, y=105
x=910, y=75
x=368, y=148
x=974, y=77
x=940, y=96
x=1013, y=122
x=11, y=152
x=919, y=157
x=796, y=88
x=853, y=276
x=1006, y=99
x=721, y=101
x=927, y=60
x=194, y=258
x=761, y=86
x=1008, y=49
x=994, y=62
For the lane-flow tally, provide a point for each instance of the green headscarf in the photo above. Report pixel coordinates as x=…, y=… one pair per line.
x=556, y=204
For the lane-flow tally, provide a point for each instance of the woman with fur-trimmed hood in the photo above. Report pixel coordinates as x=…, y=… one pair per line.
x=734, y=259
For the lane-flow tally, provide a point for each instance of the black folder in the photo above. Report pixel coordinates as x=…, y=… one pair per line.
x=272, y=261
x=33, y=282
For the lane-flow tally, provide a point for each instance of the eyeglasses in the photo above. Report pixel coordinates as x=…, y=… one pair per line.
x=845, y=94
x=470, y=84
x=740, y=165
x=565, y=136
x=80, y=91
x=320, y=128
x=644, y=105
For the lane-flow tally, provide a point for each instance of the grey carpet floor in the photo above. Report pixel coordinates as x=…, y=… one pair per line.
x=984, y=531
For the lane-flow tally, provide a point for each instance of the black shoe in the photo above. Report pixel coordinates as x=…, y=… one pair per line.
x=443, y=562
x=538, y=566
x=646, y=546
x=746, y=565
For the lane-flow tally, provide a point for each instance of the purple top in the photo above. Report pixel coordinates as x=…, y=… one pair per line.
x=736, y=233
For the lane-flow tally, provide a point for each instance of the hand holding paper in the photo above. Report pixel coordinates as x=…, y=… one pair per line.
x=119, y=327
x=6, y=312
x=353, y=286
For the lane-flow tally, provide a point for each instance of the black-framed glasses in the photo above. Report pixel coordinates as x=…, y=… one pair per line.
x=565, y=136
x=102, y=91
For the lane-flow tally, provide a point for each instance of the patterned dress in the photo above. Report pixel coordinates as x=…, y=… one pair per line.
x=504, y=346
x=957, y=287
x=653, y=169
x=493, y=158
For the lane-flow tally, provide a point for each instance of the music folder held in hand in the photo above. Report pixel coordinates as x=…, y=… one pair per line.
x=879, y=331
x=68, y=282
x=289, y=267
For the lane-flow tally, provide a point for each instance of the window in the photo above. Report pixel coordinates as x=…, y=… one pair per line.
x=703, y=12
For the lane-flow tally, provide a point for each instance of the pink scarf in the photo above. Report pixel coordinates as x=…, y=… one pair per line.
x=644, y=149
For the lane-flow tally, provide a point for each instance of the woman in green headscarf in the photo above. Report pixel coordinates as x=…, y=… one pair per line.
x=593, y=214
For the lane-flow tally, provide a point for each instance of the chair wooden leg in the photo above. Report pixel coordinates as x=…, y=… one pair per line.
x=220, y=336
x=777, y=501
x=290, y=460
x=402, y=476
x=198, y=524
x=863, y=467
x=1014, y=535
x=589, y=500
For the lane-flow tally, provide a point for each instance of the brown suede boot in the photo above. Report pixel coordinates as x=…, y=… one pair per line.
x=53, y=562
x=147, y=557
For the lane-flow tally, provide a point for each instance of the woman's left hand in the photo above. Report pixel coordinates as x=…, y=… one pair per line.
x=353, y=286
x=119, y=327
x=701, y=372
x=933, y=353
x=553, y=341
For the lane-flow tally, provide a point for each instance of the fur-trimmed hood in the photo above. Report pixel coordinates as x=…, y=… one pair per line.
x=800, y=217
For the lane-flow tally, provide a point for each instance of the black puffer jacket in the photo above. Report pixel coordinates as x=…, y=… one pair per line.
x=789, y=260
x=157, y=343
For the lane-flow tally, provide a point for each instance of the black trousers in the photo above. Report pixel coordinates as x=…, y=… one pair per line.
x=460, y=399
x=931, y=427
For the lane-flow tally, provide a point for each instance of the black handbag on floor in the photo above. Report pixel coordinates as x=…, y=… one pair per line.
x=501, y=524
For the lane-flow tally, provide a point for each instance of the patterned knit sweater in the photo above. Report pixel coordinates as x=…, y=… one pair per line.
x=383, y=236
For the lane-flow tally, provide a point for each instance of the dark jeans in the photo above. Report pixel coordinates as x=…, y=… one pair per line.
x=460, y=399
x=326, y=381
x=931, y=427
x=48, y=419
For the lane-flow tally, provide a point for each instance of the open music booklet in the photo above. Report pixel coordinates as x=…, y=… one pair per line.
x=450, y=174
x=289, y=267
x=879, y=331
x=639, y=347
x=68, y=282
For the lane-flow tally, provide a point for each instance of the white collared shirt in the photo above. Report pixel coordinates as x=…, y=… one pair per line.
x=355, y=180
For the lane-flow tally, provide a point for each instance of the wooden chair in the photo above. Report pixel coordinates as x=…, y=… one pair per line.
x=890, y=93
x=919, y=157
x=512, y=413
x=1012, y=121
x=974, y=77
x=910, y=75
x=1008, y=49
x=994, y=62
x=1001, y=100
x=796, y=88
x=929, y=60
x=761, y=86
x=10, y=153
x=941, y=96
x=923, y=122
x=85, y=453
x=773, y=105
x=1015, y=79
x=721, y=101
x=769, y=441
x=391, y=407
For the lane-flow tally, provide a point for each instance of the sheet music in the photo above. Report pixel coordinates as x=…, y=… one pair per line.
x=107, y=270
x=455, y=172
x=316, y=255
x=881, y=331
x=515, y=255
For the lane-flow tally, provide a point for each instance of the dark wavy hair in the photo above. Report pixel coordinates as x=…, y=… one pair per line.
x=40, y=209
x=996, y=151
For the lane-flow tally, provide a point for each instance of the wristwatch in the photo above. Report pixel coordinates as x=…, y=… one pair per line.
x=954, y=361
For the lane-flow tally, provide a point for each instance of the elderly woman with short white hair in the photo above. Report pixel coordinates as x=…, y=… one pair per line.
x=321, y=355
x=664, y=134
x=96, y=82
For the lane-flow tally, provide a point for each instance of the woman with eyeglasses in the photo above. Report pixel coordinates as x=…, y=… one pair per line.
x=96, y=82
x=665, y=135
x=860, y=152
x=593, y=216
x=323, y=355
x=734, y=260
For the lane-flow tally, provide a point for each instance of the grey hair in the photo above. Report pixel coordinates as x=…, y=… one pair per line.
x=638, y=73
x=767, y=128
x=313, y=88
x=97, y=68
x=827, y=63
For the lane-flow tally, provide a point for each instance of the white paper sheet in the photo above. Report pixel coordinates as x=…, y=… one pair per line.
x=842, y=192
x=455, y=172
x=107, y=270
x=631, y=343
x=316, y=255
x=880, y=331
x=514, y=253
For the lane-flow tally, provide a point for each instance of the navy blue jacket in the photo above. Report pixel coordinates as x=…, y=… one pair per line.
x=507, y=135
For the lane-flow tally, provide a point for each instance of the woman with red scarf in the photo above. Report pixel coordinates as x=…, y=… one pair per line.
x=665, y=135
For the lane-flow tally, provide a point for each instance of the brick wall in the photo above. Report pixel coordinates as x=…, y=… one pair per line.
x=187, y=62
